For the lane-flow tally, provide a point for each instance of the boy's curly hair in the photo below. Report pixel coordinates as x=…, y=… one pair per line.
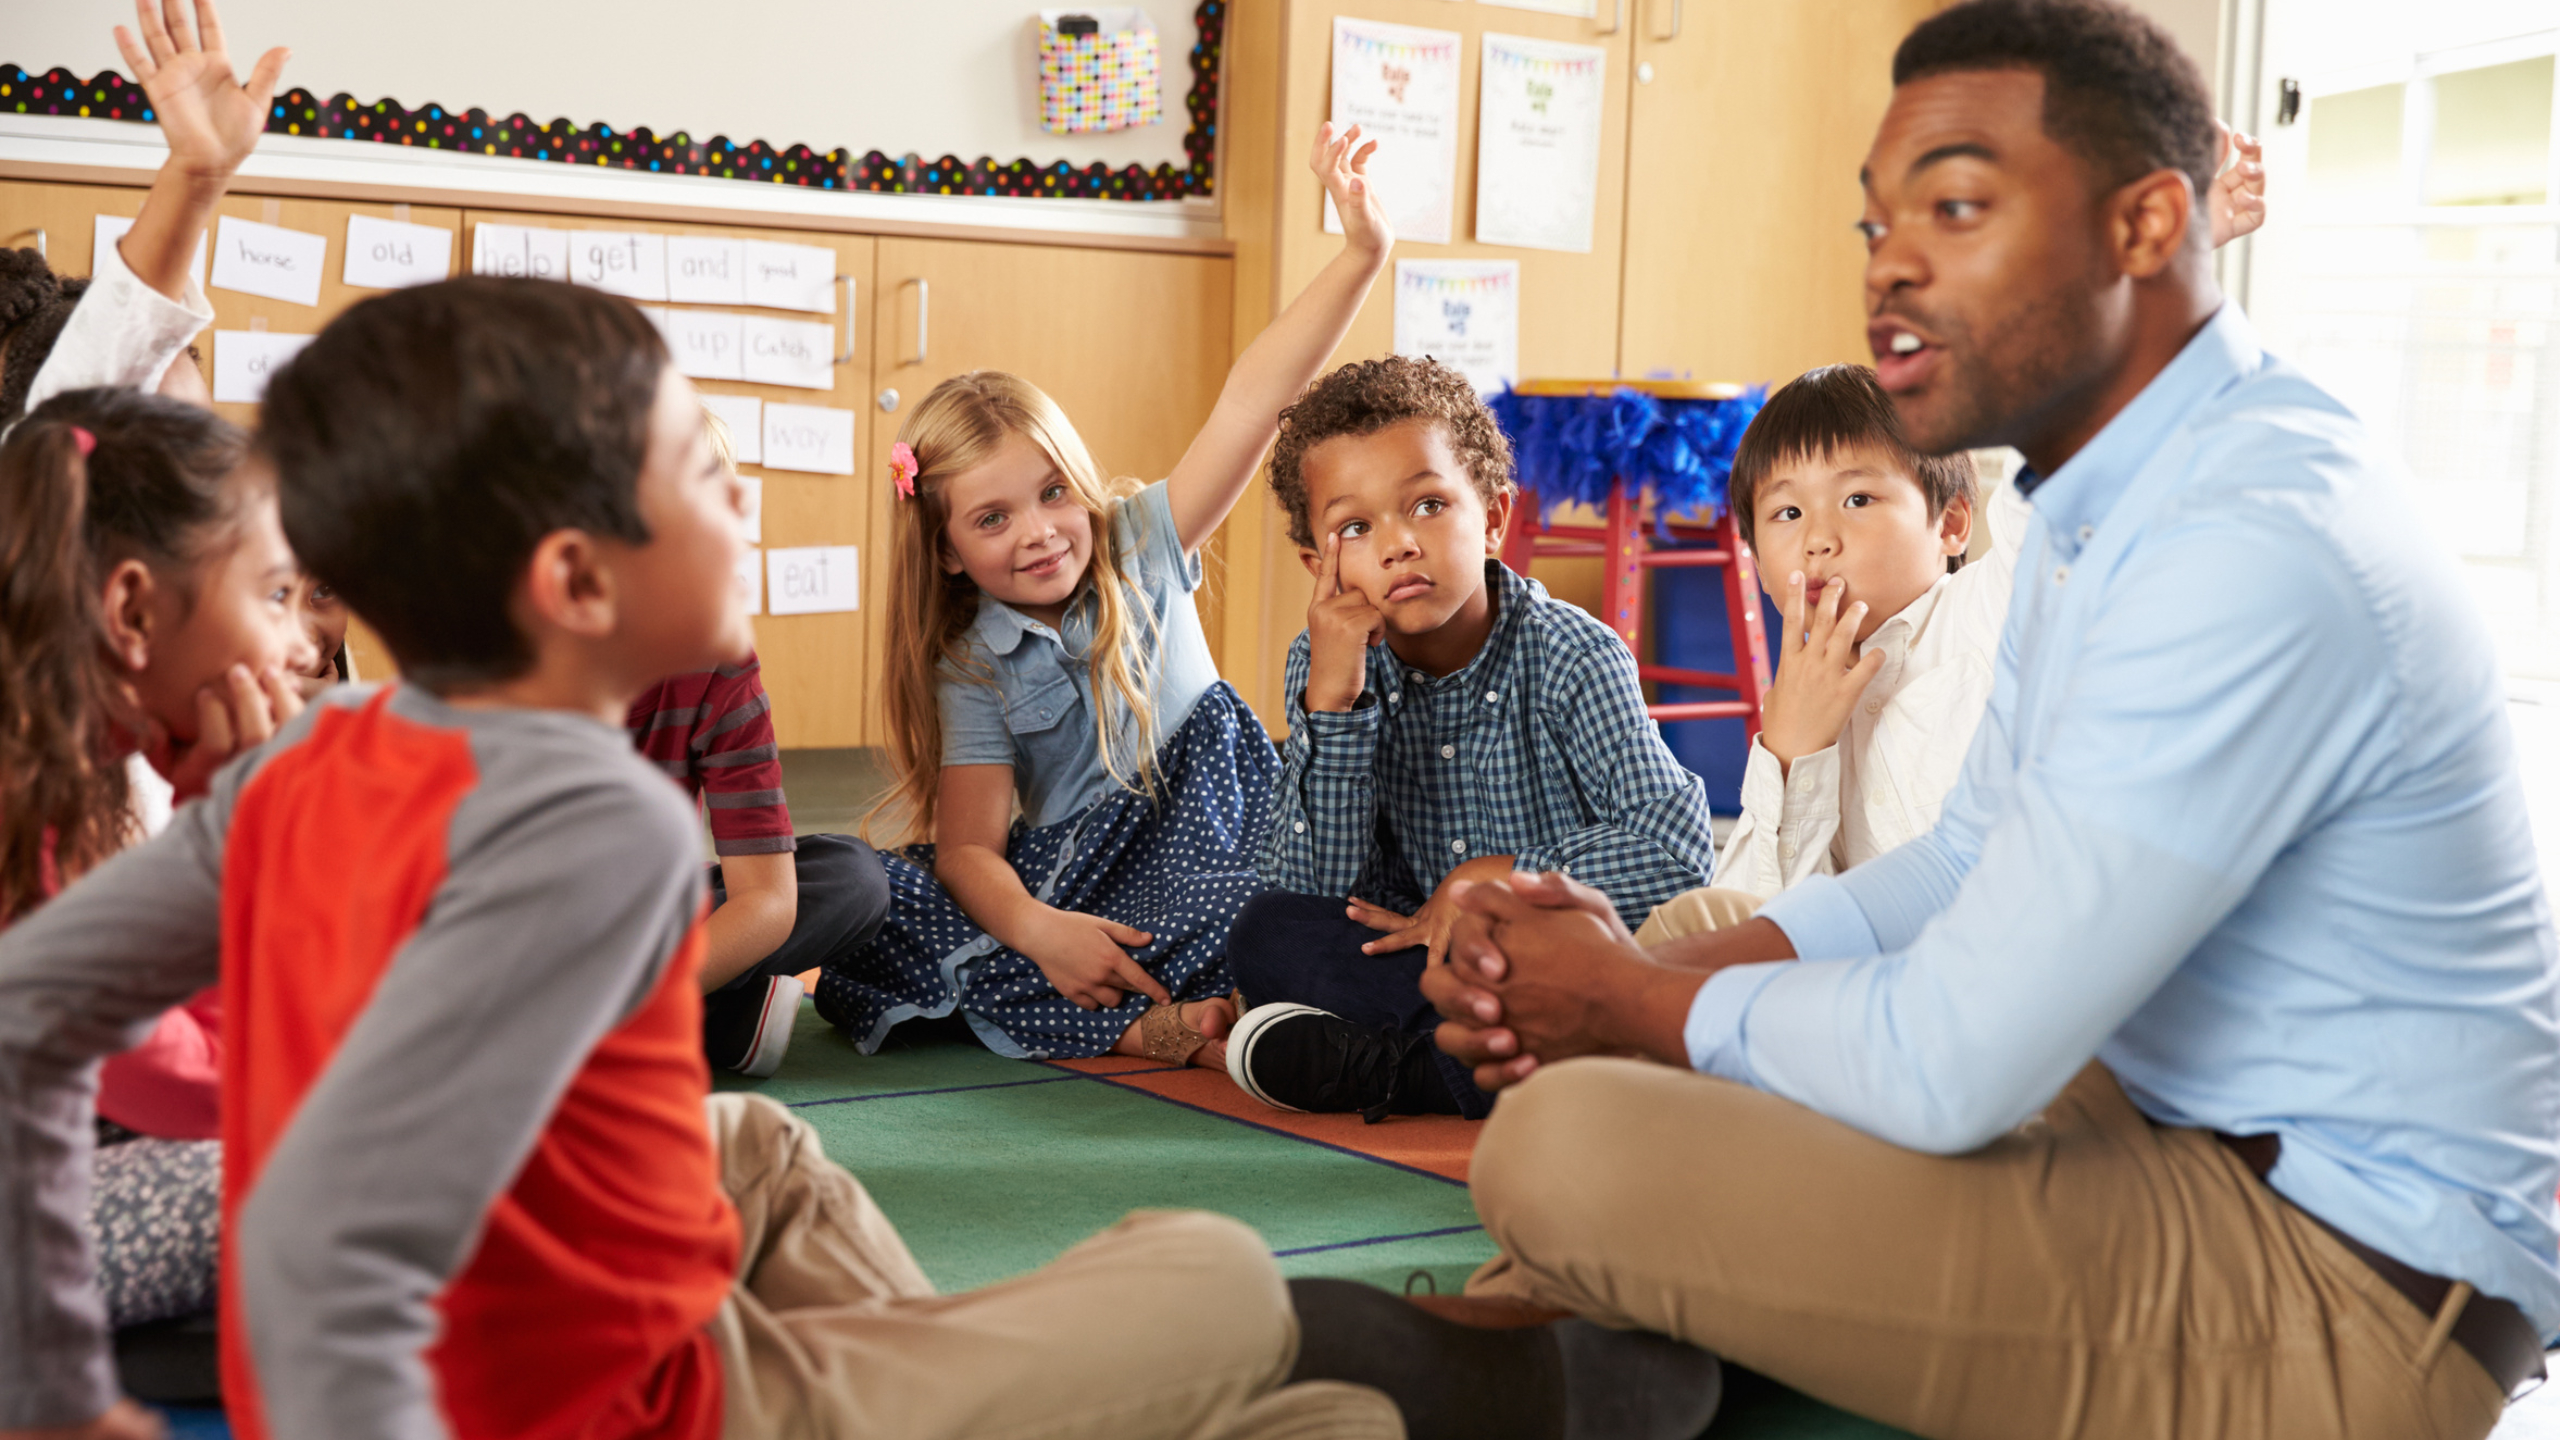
x=1367, y=396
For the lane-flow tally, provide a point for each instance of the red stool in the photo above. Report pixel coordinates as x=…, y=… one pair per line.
x=1626, y=543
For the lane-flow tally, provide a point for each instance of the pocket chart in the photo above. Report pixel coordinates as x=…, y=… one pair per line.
x=628, y=263
x=790, y=352
x=790, y=277
x=243, y=359
x=744, y=415
x=388, y=254
x=812, y=580
x=706, y=270
x=814, y=438
x=269, y=260
x=520, y=252
x=111, y=229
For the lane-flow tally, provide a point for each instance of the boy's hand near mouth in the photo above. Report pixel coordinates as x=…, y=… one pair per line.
x=1820, y=674
x=1342, y=626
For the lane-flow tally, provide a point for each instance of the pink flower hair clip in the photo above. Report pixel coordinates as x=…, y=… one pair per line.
x=902, y=468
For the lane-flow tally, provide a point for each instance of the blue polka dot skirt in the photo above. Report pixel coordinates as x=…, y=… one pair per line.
x=1178, y=867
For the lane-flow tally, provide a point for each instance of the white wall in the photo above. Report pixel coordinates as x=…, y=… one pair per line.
x=2197, y=27
x=934, y=77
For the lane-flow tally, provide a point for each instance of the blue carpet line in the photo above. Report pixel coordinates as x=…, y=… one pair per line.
x=1283, y=1134
x=957, y=1089
x=1375, y=1240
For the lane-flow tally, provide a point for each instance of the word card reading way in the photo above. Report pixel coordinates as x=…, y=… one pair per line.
x=243, y=359
x=388, y=254
x=812, y=580
x=269, y=260
x=814, y=438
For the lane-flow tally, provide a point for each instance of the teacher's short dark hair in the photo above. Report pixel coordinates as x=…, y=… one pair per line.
x=429, y=438
x=2118, y=92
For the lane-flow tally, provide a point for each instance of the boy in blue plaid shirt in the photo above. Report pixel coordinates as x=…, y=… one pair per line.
x=1448, y=722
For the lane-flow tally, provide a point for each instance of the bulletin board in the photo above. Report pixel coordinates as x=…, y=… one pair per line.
x=985, y=46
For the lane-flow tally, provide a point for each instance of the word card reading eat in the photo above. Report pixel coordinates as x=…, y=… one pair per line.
x=627, y=263
x=390, y=254
x=269, y=260
x=520, y=252
x=790, y=277
x=243, y=359
x=814, y=438
x=789, y=352
x=706, y=270
x=111, y=229
x=813, y=580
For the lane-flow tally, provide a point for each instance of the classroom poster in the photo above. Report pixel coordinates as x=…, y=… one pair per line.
x=1538, y=143
x=1400, y=85
x=1464, y=314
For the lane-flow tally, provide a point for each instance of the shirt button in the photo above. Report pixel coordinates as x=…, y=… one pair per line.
x=1874, y=706
x=1448, y=752
x=2061, y=573
x=2087, y=531
x=1458, y=845
x=1492, y=695
x=1786, y=849
x=1394, y=695
x=1300, y=827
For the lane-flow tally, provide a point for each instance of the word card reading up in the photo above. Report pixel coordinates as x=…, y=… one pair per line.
x=269, y=260
x=243, y=359
x=520, y=252
x=813, y=580
x=389, y=254
x=744, y=415
x=111, y=229
x=705, y=343
x=815, y=438
x=751, y=580
x=790, y=352
x=620, y=262
x=706, y=270
x=790, y=277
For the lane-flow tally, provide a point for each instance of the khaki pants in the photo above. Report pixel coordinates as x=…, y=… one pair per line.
x=1694, y=912
x=2089, y=1274
x=1167, y=1326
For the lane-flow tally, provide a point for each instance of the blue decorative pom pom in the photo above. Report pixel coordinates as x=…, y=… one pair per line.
x=1571, y=449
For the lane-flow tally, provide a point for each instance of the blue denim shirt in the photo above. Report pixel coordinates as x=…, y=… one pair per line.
x=1038, y=716
x=2243, y=822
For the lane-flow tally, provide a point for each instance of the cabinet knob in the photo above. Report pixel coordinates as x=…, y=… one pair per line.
x=889, y=402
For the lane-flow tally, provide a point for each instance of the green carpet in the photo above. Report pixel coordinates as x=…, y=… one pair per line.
x=991, y=1167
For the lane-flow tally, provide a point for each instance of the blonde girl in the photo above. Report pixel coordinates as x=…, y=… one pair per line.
x=1045, y=658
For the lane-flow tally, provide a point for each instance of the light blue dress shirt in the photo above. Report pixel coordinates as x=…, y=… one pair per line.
x=1038, y=715
x=2242, y=821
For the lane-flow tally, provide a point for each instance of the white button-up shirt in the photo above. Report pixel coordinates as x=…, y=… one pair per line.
x=1884, y=780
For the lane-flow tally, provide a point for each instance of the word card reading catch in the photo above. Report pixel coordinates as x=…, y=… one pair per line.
x=111, y=229
x=790, y=277
x=520, y=252
x=269, y=260
x=390, y=254
x=814, y=438
x=244, y=359
x=790, y=352
x=744, y=415
x=706, y=270
x=620, y=262
x=751, y=580
x=812, y=580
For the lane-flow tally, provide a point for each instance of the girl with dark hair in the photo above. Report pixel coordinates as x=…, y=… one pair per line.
x=145, y=591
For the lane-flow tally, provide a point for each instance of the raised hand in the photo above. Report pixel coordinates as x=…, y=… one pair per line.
x=1820, y=674
x=238, y=711
x=210, y=118
x=1342, y=163
x=1083, y=956
x=1342, y=626
x=2238, y=204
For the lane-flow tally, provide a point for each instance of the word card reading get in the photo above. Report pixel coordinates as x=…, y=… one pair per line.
x=751, y=580
x=520, y=252
x=813, y=580
x=744, y=415
x=706, y=270
x=751, y=508
x=706, y=344
x=269, y=260
x=111, y=229
x=620, y=262
x=243, y=359
x=815, y=438
x=790, y=352
x=390, y=254
x=790, y=277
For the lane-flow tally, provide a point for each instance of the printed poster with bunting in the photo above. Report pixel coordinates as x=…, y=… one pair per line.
x=1400, y=85
x=1464, y=314
x=1538, y=143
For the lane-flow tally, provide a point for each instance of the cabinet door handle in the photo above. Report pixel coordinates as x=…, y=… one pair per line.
x=924, y=318
x=1617, y=17
x=846, y=358
x=1675, y=23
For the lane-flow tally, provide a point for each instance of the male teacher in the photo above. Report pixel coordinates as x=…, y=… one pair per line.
x=2197, y=1075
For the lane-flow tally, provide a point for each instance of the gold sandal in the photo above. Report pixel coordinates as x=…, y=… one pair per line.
x=1167, y=1038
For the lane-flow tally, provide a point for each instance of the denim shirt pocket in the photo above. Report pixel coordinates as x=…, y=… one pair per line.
x=1038, y=705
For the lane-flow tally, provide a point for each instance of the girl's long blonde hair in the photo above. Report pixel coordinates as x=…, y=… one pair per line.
x=958, y=427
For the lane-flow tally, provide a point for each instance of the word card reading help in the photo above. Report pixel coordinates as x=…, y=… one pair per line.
x=390, y=254
x=244, y=359
x=520, y=252
x=812, y=580
x=269, y=260
x=814, y=438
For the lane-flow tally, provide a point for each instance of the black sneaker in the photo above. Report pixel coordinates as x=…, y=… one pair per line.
x=1297, y=1057
x=747, y=1030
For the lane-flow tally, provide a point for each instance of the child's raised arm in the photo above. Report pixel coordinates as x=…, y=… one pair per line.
x=1277, y=366
x=210, y=119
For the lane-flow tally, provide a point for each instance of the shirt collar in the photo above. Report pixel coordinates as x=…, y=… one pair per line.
x=1910, y=620
x=1000, y=628
x=2077, y=496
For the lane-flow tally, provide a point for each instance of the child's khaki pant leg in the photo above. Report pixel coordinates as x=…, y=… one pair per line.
x=1695, y=912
